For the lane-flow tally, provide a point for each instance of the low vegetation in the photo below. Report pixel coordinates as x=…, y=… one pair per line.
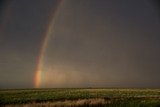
x=80, y=97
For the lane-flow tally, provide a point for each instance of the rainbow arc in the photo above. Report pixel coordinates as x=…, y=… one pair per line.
x=47, y=34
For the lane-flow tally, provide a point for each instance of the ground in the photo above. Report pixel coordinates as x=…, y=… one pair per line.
x=77, y=97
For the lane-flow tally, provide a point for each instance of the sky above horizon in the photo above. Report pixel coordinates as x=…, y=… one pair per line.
x=79, y=43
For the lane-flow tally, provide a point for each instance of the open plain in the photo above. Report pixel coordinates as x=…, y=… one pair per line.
x=78, y=97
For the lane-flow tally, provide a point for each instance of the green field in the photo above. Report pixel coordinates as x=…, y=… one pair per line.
x=80, y=97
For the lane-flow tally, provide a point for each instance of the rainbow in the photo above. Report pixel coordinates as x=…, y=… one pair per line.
x=47, y=34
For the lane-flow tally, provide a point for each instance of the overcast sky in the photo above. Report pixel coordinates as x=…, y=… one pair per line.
x=94, y=43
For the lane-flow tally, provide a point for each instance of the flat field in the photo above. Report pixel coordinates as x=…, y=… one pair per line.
x=78, y=97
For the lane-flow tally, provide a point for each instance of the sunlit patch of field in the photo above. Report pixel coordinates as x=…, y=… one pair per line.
x=80, y=97
x=66, y=103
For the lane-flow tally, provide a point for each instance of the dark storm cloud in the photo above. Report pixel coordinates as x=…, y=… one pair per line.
x=95, y=43
x=107, y=43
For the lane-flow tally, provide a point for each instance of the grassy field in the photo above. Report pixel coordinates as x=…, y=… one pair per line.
x=80, y=97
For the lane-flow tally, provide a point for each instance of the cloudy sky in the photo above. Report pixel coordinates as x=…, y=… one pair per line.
x=92, y=43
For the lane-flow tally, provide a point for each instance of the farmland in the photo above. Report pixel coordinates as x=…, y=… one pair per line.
x=80, y=97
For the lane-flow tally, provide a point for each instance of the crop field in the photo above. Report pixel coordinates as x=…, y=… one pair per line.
x=76, y=97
